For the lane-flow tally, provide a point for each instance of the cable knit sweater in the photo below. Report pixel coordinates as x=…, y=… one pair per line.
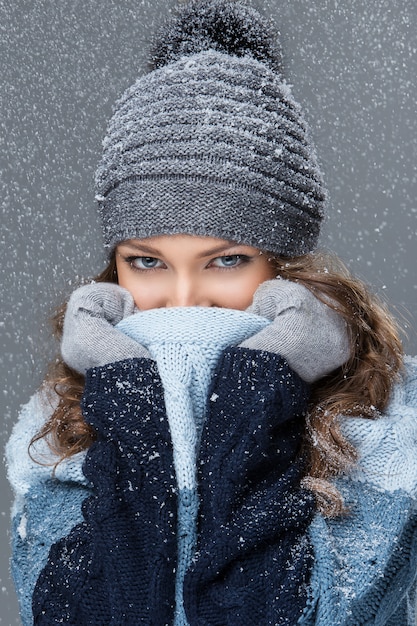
x=197, y=517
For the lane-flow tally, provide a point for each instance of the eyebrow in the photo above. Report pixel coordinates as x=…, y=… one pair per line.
x=155, y=252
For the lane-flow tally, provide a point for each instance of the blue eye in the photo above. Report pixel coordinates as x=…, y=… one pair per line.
x=231, y=260
x=145, y=262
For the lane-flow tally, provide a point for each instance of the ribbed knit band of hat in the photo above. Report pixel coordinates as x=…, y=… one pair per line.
x=211, y=141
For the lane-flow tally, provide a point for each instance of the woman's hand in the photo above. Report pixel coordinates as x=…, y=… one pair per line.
x=90, y=338
x=312, y=337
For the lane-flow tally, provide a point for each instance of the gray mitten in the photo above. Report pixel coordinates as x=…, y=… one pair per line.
x=311, y=336
x=89, y=338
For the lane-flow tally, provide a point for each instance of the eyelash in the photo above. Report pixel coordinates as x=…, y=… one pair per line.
x=131, y=259
x=242, y=258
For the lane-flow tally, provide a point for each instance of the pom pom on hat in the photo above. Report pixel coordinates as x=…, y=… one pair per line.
x=222, y=25
x=212, y=142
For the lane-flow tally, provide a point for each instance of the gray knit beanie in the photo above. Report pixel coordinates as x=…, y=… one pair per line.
x=211, y=141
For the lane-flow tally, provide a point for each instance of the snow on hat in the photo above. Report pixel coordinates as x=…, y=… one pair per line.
x=211, y=142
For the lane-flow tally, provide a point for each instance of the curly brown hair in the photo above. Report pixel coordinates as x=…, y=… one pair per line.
x=361, y=387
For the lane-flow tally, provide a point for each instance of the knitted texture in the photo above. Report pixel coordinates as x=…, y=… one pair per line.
x=118, y=565
x=312, y=337
x=253, y=557
x=186, y=344
x=369, y=576
x=365, y=565
x=387, y=458
x=89, y=336
x=45, y=507
x=212, y=143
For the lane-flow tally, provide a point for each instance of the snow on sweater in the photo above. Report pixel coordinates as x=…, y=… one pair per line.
x=245, y=385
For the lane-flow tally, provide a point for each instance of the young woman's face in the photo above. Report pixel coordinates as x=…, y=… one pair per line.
x=184, y=270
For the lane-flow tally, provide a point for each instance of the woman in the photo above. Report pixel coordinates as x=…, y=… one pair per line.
x=223, y=431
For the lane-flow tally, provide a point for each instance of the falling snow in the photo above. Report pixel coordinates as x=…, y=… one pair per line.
x=352, y=65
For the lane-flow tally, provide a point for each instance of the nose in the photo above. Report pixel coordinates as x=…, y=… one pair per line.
x=186, y=291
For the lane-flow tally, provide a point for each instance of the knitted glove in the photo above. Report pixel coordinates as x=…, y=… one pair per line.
x=89, y=338
x=118, y=565
x=311, y=336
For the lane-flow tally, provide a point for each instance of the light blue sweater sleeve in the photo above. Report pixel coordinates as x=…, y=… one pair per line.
x=46, y=505
x=366, y=563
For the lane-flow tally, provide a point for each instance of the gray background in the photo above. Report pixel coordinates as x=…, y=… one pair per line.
x=352, y=65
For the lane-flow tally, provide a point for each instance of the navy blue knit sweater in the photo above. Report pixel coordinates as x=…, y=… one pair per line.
x=253, y=558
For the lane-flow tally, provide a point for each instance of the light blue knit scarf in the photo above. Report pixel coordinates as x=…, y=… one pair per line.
x=186, y=344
